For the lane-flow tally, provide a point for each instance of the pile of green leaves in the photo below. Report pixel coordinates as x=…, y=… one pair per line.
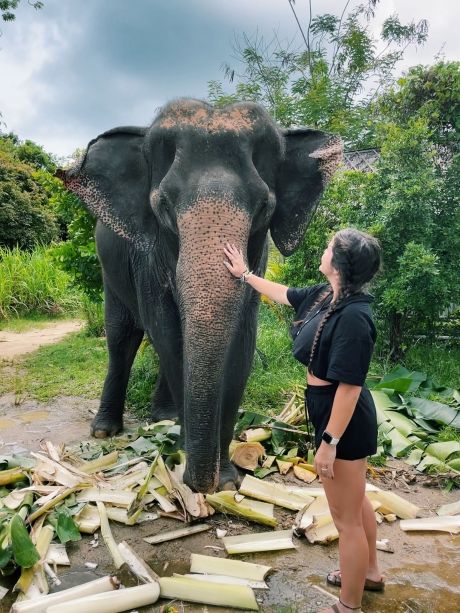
x=418, y=421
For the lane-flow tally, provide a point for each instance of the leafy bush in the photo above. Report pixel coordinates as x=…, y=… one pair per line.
x=93, y=313
x=77, y=254
x=30, y=282
x=25, y=218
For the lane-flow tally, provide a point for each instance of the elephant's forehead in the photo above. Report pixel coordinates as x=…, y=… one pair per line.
x=237, y=119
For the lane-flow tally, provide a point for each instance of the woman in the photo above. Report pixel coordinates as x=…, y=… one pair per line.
x=334, y=337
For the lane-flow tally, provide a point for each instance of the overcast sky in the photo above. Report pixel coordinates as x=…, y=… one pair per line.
x=79, y=67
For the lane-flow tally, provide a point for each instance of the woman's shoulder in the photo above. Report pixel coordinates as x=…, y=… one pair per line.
x=301, y=296
x=355, y=316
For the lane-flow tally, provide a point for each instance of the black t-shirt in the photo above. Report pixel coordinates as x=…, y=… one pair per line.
x=347, y=340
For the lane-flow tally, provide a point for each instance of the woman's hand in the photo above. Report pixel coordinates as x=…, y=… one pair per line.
x=237, y=266
x=324, y=461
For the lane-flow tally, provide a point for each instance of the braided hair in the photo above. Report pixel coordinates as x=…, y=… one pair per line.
x=356, y=257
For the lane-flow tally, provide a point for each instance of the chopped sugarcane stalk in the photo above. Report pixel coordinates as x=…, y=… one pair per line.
x=319, y=506
x=108, y=537
x=268, y=462
x=57, y=555
x=166, y=505
x=255, y=585
x=27, y=574
x=225, y=503
x=218, y=594
x=41, y=604
x=264, y=541
x=323, y=530
x=255, y=435
x=304, y=474
x=12, y=475
x=247, y=455
x=392, y=503
x=137, y=564
x=174, y=534
x=446, y=523
x=109, y=602
x=449, y=509
x=107, y=496
x=51, y=504
x=384, y=545
x=303, y=522
x=121, y=515
x=208, y=565
x=100, y=463
x=283, y=467
x=88, y=520
x=272, y=492
x=162, y=474
x=137, y=503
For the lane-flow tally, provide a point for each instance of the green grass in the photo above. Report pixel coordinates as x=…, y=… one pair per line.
x=32, y=321
x=440, y=360
x=74, y=367
x=30, y=282
x=275, y=372
x=77, y=366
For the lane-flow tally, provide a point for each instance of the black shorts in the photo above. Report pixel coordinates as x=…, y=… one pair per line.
x=360, y=437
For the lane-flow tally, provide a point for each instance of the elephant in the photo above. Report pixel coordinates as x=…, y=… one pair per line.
x=167, y=198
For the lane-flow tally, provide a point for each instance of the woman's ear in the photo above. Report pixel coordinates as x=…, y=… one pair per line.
x=310, y=160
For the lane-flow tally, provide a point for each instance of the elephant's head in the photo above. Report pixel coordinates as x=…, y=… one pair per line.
x=196, y=178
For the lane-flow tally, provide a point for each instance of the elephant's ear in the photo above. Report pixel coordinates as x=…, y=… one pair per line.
x=311, y=158
x=112, y=180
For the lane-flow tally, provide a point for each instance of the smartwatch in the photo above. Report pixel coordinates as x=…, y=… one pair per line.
x=329, y=439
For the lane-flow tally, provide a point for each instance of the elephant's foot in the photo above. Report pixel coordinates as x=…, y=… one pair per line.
x=229, y=477
x=105, y=424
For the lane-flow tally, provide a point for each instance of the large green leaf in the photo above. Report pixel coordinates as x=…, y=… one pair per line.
x=24, y=551
x=401, y=380
x=444, y=450
x=436, y=411
x=66, y=528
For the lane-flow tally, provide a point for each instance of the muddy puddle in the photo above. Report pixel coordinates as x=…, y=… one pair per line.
x=422, y=576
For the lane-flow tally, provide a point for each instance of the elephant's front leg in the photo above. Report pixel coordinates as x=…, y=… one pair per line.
x=237, y=372
x=123, y=340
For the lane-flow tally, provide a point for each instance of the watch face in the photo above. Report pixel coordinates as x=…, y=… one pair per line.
x=327, y=437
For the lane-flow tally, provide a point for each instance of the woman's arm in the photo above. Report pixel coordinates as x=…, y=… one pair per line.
x=237, y=266
x=345, y=400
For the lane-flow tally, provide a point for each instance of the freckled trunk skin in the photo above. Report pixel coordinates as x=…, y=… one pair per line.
x=210, y=301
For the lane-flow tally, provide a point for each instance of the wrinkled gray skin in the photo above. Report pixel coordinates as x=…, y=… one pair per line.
x=168, y=197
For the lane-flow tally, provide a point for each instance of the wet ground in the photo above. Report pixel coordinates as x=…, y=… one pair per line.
x=422, y=575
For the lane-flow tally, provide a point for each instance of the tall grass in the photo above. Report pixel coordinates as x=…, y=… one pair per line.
x=30, y=282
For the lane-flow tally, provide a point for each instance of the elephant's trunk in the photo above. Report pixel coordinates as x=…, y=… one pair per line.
x=210, y=302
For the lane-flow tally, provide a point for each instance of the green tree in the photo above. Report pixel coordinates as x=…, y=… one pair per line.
x=431, y=93
x=7, y=8
x=25, y=217
x=77, y=253
x=323, y=83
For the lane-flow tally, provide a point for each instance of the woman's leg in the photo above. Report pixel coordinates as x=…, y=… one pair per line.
x=345, y=494
x=370, y=528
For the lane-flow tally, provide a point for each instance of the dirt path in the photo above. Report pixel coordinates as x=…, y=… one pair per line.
x=14, y=344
